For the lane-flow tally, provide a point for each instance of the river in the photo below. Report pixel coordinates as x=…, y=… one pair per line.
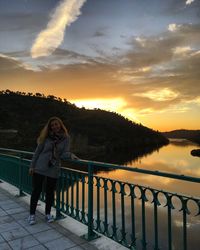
x=172, y=158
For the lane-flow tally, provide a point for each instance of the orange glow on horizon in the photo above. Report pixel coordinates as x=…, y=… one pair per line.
x=117, y=105
x=152, y=119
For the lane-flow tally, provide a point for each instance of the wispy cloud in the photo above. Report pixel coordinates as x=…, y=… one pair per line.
x=165, y=94
x=182, y=50
x=173, y=27
x=8, y=63
x=49, y=39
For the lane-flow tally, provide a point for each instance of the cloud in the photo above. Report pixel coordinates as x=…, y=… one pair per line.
x=141, y=41
x=161, y=95
x=182, y=50
x=163, y=80
x=182, y=8
x=173, y=27
x=149, y=80
x=10, y=64
x=49, y=39
x=142, y=52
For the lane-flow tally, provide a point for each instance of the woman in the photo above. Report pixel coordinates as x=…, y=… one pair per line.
x=53, y=145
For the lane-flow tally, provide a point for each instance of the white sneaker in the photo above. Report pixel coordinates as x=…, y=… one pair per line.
x=49, y=218
x=31, y=219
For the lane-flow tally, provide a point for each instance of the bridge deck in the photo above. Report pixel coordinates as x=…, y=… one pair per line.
x=16, y=233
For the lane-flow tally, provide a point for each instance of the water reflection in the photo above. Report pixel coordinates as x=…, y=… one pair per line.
x=126, y=158
x=181, y=142
x=173, y=158
x=105, y=214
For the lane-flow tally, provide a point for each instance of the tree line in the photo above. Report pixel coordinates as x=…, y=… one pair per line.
x=91, y=130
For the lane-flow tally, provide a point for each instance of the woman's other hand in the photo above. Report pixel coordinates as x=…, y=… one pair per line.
x=74, y=157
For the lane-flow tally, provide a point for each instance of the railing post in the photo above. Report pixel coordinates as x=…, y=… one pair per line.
x=185, y=213
x=155, y=204
x=169, y=216
x=83, y=200
x=91, y=235
x=21, y=193
x=144, y=199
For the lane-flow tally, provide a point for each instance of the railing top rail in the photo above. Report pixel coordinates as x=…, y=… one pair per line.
x=114, y=166
x=16, y=151
x=142, y=171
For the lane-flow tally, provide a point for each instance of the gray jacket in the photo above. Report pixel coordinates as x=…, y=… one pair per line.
x=43, y=154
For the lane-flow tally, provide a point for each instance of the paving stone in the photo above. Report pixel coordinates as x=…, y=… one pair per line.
x=14, y=234
x=6, y=202
x=61, y=230
x=8, y=226
x=39, y=227
x=10, y=205
x=4, y=246
x=23, y=243
x=15, y=210
x=2, y=212
x=47, y=236
x=87, y=246
x=76, y=248
x=60, y=244
x=78, y=240
x=5, y=219
x=2, y=195
x=1, y=239
x=20, y=216
x=3, y=198
x=38, y=247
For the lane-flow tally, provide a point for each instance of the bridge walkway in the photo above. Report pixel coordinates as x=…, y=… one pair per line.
x=16, y=233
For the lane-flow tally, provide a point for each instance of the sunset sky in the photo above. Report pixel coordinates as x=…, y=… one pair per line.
x=140, y=58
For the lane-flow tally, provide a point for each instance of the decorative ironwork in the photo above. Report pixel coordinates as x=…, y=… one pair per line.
x=119, y=210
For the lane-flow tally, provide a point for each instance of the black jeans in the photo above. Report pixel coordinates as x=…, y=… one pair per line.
x=37, y=183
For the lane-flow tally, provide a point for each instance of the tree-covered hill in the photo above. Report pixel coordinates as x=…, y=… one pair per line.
x=192, y=135
x=91, y=130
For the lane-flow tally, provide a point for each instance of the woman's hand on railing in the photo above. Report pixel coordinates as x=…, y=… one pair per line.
x=31, y=171
x=73, y=157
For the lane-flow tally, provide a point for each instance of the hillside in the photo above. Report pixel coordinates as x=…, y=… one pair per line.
x=92, y=131
x=192, y=135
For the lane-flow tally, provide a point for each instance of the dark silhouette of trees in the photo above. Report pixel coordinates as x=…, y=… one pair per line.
x=110, y=131
x=192, y=135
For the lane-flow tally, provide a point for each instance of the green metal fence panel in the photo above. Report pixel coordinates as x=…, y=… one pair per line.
x=133, y=215
x=9, y=170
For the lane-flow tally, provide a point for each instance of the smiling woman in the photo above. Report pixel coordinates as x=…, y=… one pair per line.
x=53, y=145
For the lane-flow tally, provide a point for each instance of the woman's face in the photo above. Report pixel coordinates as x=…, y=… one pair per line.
x=55, y=126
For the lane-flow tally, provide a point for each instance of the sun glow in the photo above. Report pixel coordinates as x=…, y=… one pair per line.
x=114, y=104
x=165, y=94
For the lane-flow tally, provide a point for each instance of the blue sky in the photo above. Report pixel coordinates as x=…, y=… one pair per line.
x=104, y=24
x=142, y=55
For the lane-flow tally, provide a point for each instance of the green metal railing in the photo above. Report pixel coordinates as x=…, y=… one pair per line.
x=135, y=216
